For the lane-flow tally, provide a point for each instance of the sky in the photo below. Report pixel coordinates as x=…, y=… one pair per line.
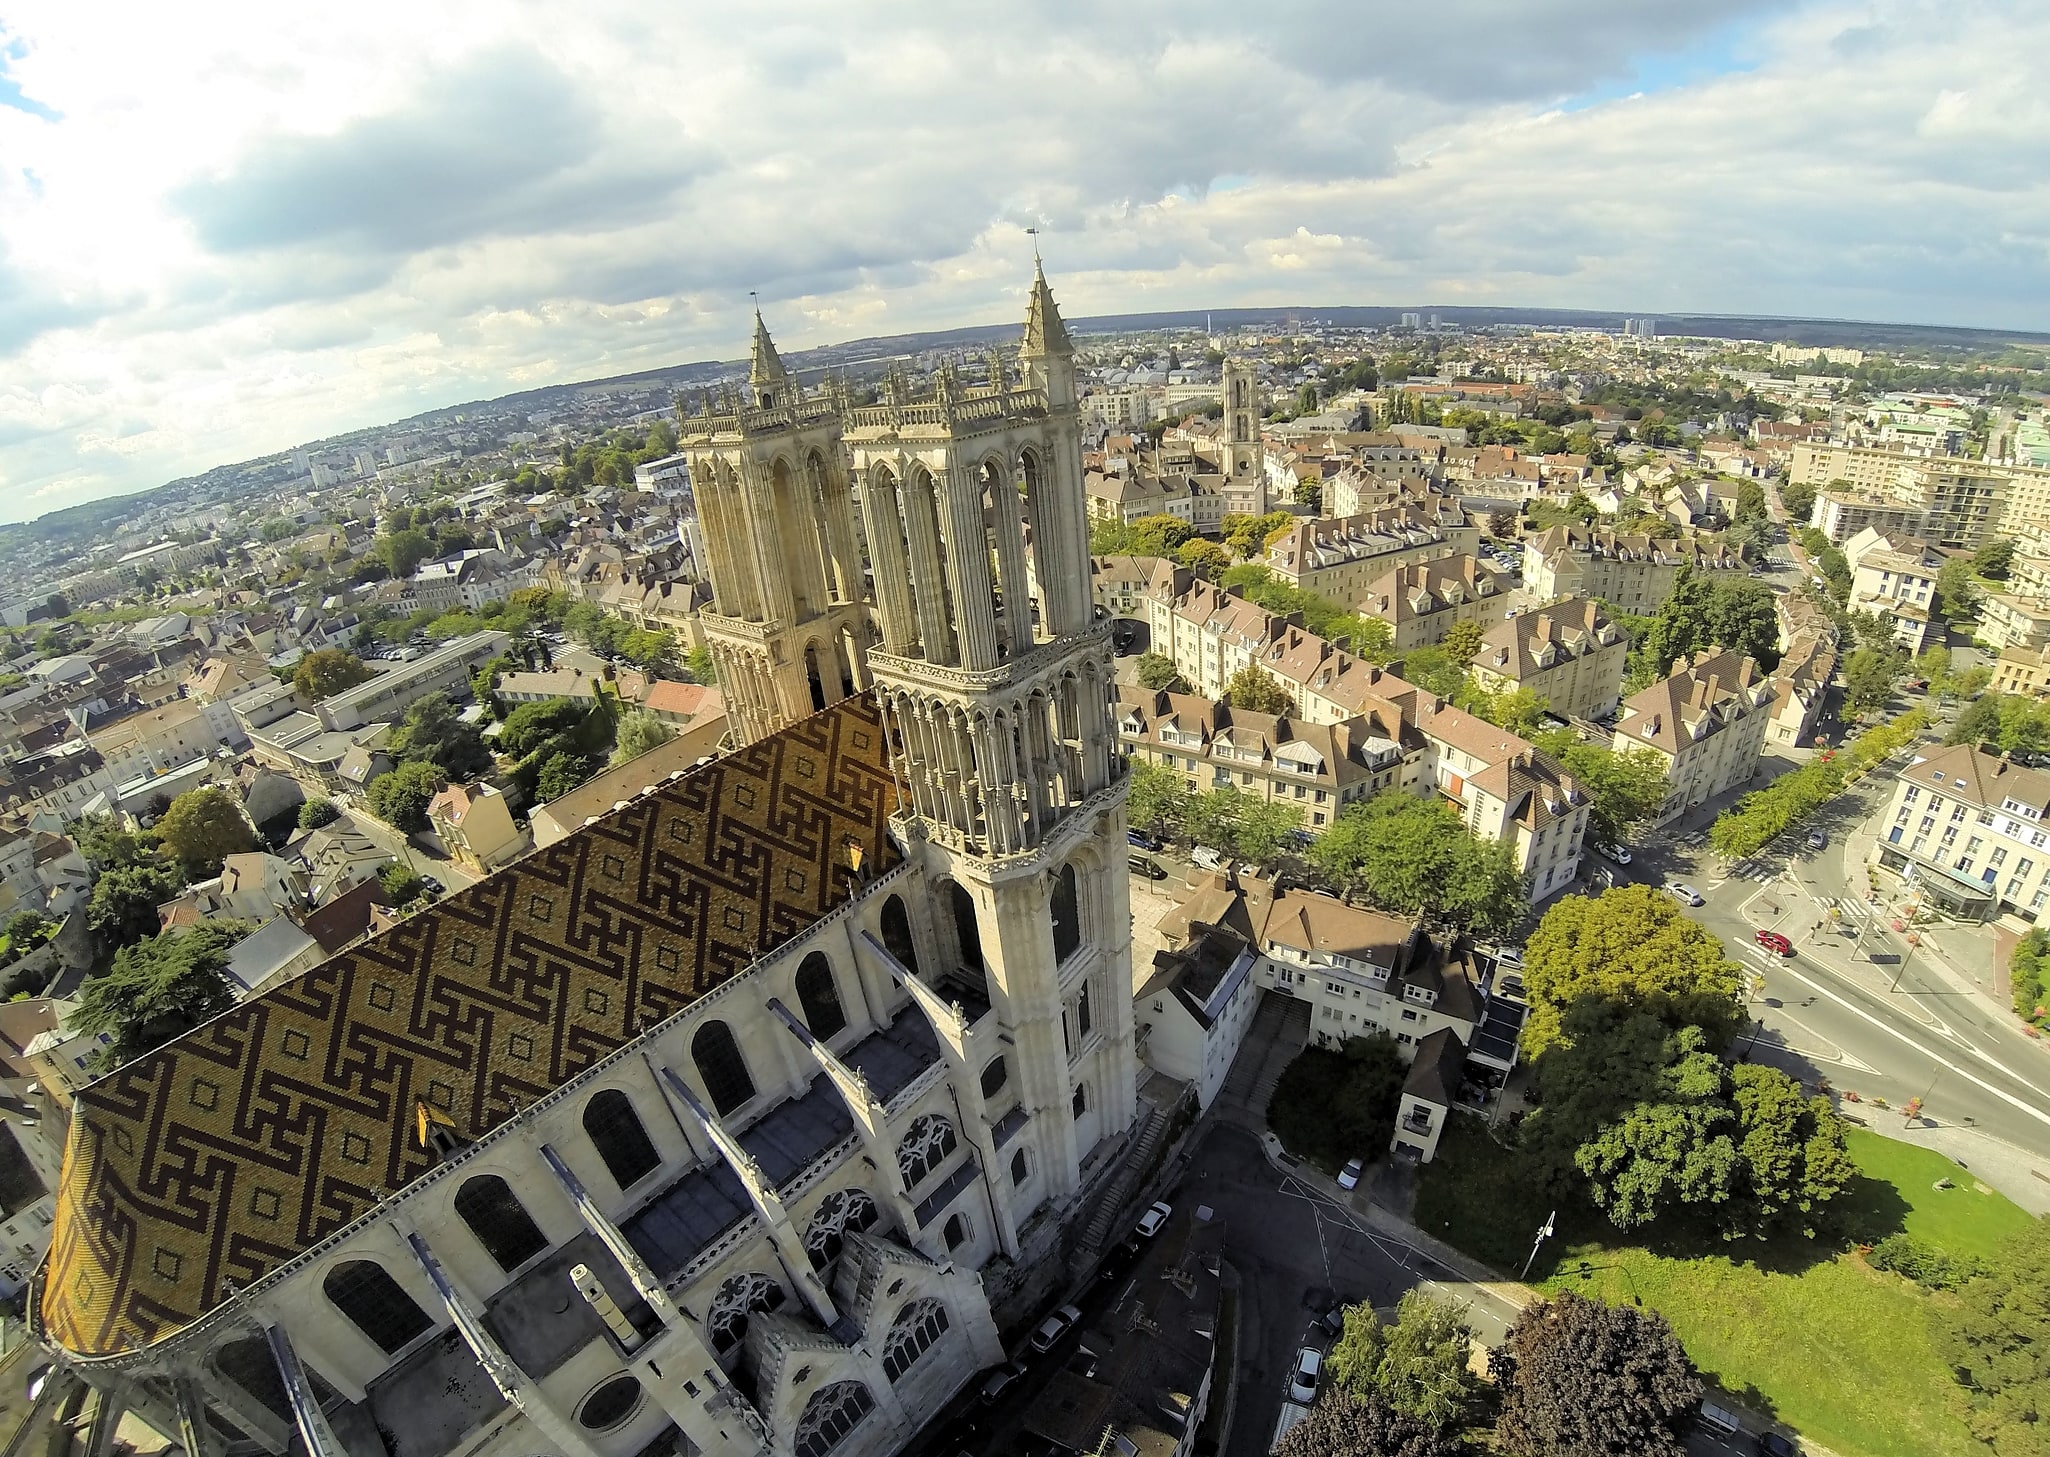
x=226, y=229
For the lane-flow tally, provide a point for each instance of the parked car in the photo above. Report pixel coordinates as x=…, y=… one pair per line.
x=1774, y=942
x=1772, y=1444
x=1349, y=1176
x=1145, y=865
x=1000, y=1381
x=1143, y=840
x=1302, y=1380
x=1684, y=893
x=434, y=886
x=1155, y=1219
x=1818, y=840
x=1050, y=1330
x=1618, y=853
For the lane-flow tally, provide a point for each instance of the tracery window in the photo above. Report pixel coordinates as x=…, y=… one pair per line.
x=916, y=1330
x=829, y=1416
x=924, y=1148
x=842, y=1212
x=739, y=1298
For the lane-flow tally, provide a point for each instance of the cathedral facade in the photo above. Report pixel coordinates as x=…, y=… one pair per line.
x=704, y=1128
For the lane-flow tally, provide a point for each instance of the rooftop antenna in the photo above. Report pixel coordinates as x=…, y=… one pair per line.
x=1033, y=234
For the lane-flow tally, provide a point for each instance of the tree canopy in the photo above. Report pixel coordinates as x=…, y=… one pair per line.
x=638, y=732
x=1702, y=611
x=1343, y=1425
x=1625, y=788
x=1253, y=688
x=123, y=906
x=1579, y=1377
x=1417, y=1366
x=1157, y=671
x=1996, y=1339
x=1414, y=857
x=431, y=732
x=203, y=827
x=327, y=671
x=401, y=797
x=159, y=988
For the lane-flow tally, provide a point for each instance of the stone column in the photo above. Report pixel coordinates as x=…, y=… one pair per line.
x=927, y=574
x=900, y=622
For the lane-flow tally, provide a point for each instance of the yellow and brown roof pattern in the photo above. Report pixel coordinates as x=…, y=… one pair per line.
x=227, y=1152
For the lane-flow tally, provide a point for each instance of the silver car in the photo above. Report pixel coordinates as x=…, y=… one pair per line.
x=1684, y=893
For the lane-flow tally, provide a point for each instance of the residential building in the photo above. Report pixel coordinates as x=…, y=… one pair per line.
x=1801, y=689
x=1707, y=719
x=305, y=748
x=792, y=1067
x=681, y=705
x=445, y=668
x=1316, y=768
x=2009, y=621
x=2024, y=671
x=1568, y=654
x=1895, y=578
x=549, y=684
x=1429, y=1092
x=1342, y=558
x=476, y=826
x=1628, y=571
x=1967, y=832
x=1123, y=584
x=1424, y=601
x=29, y=1171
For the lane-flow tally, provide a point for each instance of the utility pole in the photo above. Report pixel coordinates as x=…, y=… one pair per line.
x=1544, y=1233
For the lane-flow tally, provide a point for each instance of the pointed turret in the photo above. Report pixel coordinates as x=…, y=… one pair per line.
x=765, y=371
x=1044, y=332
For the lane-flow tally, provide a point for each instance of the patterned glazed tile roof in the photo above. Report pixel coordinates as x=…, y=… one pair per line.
x=227, y=1152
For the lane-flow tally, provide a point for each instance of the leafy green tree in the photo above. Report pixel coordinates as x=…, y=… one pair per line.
x=638, y=732
x=1799, y=501
x=1413, y=857
x=1978, y=722
x=401, y=797
x=202, y=827
x=1157, y=801
x=1579, y=1377
x=327, y=671
x=1157, y=671
x=532, y=726
x=123, y=906
x=1957, y=590
x=107, y=846
x=1342, y=1425
x=1418, y=1366
x=1625, y=788
x=1996, y=1340
x=698, y=664
x=159, y=988
x=1932, y=664
x=1462, y=641
x=561, y=772
x=1435, y=670
x=1159, y=535
x=1332, y=1105
x=1870, y=675
x=1994, y=558
x=1521, y=711
x=317, y=812
x=431, y=732
x=1206, y=558
x=1674, y=1149
x=402, y=883
x=1241, y=825
x=1790, y=1150
x=1631, y=947
x=1253, y=688
x=402, y=551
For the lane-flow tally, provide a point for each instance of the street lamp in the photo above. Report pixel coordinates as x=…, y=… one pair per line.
x=1544, y=1233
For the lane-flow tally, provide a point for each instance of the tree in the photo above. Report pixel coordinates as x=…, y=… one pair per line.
x=1462, y=641
x=1242, y=825
x=204, y=826
x=1994, y=558
x=1253, y=688
x=327, y=671
x=1333, y=1105
x=402, y=551
x=317, y=812
x=1978, y=722
x=1435, y=670
x=1790, y=1149
x=1957, y=590
x=106, y=846
x=402, y=883
x=159, y=988
x=1157, y=801
x=1341, y=1425
x=1996, y=1340
x=1204, y=557
x=1579, y=1377
x=1870, y=675
x=1521, y=711
x=1159, y=535
x=1932, y=665
x=1800, y=503
x=1157, y=671
x=1633, y=948
x=431, y=732
x=638, y=732
x=698, y=664
x=124, y=902
x=556, y=722
x=1418, y=1366
x=1675, y=1148
x=561, y=772
x=1413, y=857
x=1625, y=788
x=401, y=797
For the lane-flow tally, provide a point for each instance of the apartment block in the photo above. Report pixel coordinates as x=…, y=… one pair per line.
x=1896, y=578
x=1707, y=720
x=1633, y=572
x=1967, y=830
x=1341, y=558
x=1425, y=600
x=1568, y=654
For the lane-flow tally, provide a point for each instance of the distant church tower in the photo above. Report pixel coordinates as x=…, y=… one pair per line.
x=788, y=627
x=994, y=675
x=1243, y=452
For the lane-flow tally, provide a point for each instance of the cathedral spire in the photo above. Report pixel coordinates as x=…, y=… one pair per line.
x=765, y=369
x=1044, y=332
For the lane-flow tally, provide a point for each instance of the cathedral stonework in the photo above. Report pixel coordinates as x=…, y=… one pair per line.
x=697, y=1130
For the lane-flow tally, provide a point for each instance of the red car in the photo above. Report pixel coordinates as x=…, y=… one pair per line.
x=1774, y=942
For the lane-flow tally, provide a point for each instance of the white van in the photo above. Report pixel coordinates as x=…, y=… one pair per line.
x=1719, y=1419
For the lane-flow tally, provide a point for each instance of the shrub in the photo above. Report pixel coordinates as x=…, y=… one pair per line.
x=1922, y=1262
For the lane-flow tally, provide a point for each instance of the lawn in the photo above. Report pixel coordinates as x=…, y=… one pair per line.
x=1840, y=1352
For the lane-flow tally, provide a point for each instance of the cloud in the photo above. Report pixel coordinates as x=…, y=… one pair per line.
x=233, y=239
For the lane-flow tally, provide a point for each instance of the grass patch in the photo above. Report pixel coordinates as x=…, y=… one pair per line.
x=1799, y=1329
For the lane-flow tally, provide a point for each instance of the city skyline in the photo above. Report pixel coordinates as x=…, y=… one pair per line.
x=215, y=245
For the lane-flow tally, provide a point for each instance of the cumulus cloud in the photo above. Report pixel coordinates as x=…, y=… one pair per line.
x=221, y=240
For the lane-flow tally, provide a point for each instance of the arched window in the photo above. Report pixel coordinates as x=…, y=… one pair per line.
x=818, y=996
x=957, y=1231
x=501, y=1223
x=611, y=1404
x=721, y=1067
x=1020, y=1170
x=615, y=1131
x=841, y=1212
x=1067, y=916
x=1081, y=1100
x=916, y=1330
x=966, y=932
x=738, y=1299
x=829, y=1416
x=897, y=934
x=994, y=1076
x=249, y=1364
x=925, y=1148
x=375, y=1304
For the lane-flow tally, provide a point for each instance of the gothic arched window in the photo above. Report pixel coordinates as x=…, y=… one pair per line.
x=501, y=1223
x=840, y=1213
x=1020, y=1170
x=1081, y=1100
x=818, y=997
x=829, y=1416
x=994, y=1076
x=925, y=1148
x=897, y=940
x=966, y=931
x=916, y=1330
x=957, y=1231
x=1067, y=915
x=615, y=1131
x=721, y=1067
x=375, y=1304
x=738, y=1299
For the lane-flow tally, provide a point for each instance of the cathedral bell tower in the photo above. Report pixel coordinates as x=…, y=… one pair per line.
x=1243, y=452
x=788, y=628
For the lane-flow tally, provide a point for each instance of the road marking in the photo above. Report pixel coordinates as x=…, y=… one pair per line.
x=1899, y=1036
